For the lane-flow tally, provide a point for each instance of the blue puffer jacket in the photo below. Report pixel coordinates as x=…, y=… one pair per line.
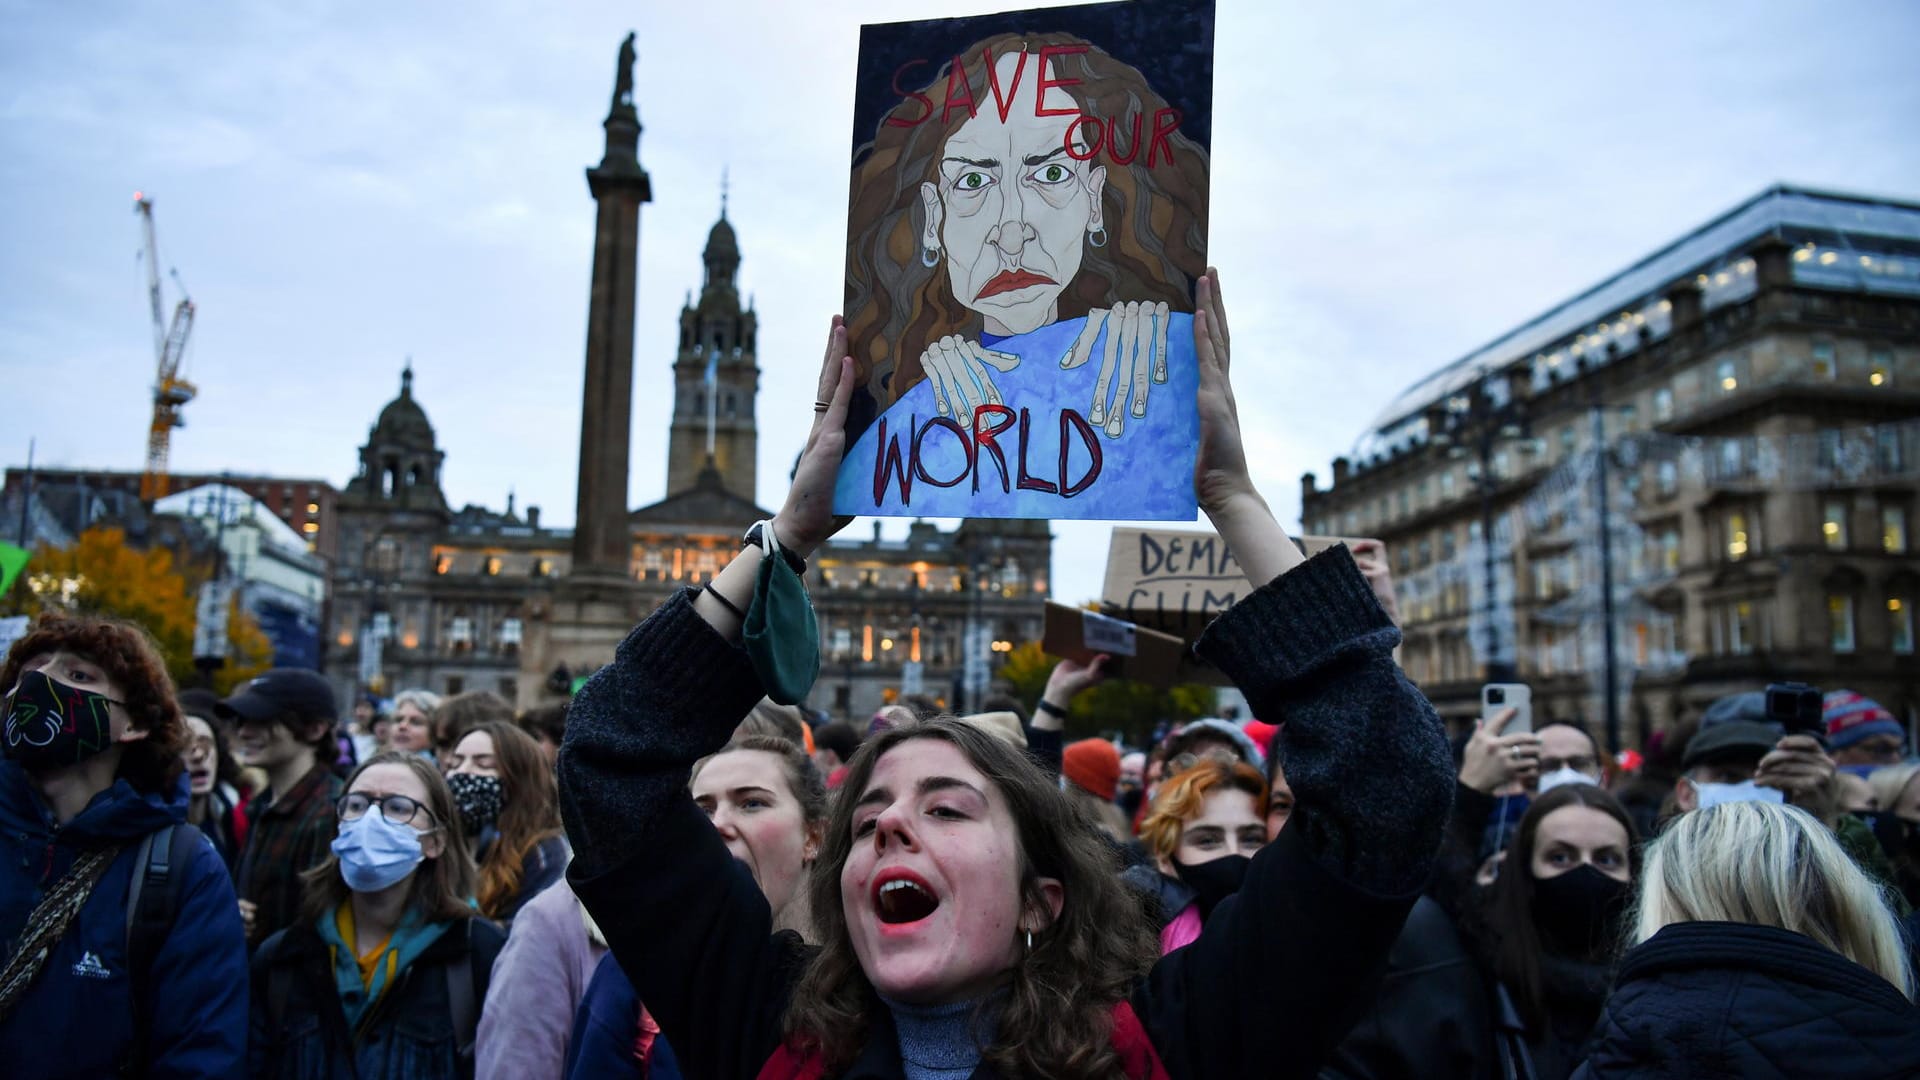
x=77, y=1017
x=1705, y=1000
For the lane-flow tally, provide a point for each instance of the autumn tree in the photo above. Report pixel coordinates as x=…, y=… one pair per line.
x=1133, y=708
x=102, y=575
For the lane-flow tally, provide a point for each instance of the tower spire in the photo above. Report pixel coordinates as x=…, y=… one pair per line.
x=723, y=193
x=406, y=378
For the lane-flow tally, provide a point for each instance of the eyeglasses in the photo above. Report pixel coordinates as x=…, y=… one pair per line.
x=397, y=809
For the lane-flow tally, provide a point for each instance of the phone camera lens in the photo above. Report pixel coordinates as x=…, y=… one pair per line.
x=1496, y=696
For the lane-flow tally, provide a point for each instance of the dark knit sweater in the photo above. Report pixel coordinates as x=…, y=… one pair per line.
x=1279, y=974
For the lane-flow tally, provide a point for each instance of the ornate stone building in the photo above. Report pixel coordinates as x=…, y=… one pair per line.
x=423, y=595
x=1708, y=461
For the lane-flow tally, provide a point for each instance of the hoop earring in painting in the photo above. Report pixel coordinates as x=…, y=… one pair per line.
x=1098, y=237
x=929, y=257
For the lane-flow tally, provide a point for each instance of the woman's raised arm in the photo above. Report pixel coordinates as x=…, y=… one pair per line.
x=686, y=922
x=1283, y=968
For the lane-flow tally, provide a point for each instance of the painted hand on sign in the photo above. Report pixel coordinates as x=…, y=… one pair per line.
x=1136, y=351
x=958, y=370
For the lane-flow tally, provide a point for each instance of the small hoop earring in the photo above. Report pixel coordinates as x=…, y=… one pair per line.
x=1098, y=237
x=930, y=257
x=1029, y=941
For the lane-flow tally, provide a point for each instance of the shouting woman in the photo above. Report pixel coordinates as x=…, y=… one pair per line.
x=967, y=920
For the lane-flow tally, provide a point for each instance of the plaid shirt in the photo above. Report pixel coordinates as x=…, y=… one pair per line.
x=287, y=835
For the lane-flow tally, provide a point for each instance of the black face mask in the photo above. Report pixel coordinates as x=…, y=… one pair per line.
x=1578, y=912
x=51, y=725
x=1213, y=881
x=479, y=799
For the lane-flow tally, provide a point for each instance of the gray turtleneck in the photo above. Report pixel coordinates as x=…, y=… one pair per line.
x=936, y=1041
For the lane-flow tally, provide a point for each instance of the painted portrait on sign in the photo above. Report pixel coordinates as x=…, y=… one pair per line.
x=1027, y=219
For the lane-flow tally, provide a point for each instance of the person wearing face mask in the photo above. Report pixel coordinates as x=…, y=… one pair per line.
x=214, y=805
x=769, y=804
x=1896, y=823
x=91, y=793
x=384, y=974
x=510, y=814
x=1758, y=949
x=1200, y=836
x=1568, y=755
x=1545, y=929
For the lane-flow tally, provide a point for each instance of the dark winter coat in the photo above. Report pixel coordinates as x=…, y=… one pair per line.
x=1432, y=1016
x=408, y=1033
x=607, y=1040
x=1706, y=1000
x=1282, y=969
x=78, y=1017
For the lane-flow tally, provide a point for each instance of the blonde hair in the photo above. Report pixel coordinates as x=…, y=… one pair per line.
x=1769, y=865
x=1889, y=783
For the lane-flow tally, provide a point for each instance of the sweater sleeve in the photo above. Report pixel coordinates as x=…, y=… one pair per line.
x=1284, y=968
x=685, y=921
x=529, y=1008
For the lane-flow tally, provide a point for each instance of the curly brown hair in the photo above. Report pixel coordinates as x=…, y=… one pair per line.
x=896, y=305
x=529, y=812
x=129, y=656
x=1056, y=1017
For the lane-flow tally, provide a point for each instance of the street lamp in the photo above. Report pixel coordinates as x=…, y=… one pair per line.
x=1486, y=415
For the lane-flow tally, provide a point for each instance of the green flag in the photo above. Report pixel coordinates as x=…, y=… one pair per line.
x=12, y=561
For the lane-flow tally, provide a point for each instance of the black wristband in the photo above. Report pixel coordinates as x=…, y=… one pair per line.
x=724, y=602
x=752, y=539
x=1048, y=707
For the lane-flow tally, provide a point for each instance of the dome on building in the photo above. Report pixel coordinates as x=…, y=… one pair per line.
x=403, y=422
x=721, y=241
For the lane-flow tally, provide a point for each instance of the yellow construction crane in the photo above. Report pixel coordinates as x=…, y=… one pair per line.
x=170, y=391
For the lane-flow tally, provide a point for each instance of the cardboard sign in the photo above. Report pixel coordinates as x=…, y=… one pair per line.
x=1026, y=221
x=1134, y=653
x=1178, y=581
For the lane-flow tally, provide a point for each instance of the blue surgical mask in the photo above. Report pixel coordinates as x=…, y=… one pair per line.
x=1562, y=776
x=375, y=853
x=1744, y=791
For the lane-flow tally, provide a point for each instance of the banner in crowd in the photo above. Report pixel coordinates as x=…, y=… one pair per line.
x=1026, y=222
x=1177, y=581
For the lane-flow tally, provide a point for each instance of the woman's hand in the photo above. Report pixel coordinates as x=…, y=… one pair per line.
x=1492, y=760
x=1371, y=557
x=1136, y=351
x=806, y=519
x=958, y=370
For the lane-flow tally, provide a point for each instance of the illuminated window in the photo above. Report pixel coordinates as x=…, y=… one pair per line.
x=1900, y=623
x=442, y=563
x=1893, y=529
x=1824, y=366
x=1737, y=535
x=460, y=631
x=1740, y=635
x=314, y=508
x=1880, y=367
x=1725, y=376
x=866, y=643
x=1833, y=530
x=1840, y=618
x=842, y=642
x=493, y=565
x=510, y=632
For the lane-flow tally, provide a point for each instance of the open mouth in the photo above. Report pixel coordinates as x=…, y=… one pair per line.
x=1009, y=280
x=900, y=897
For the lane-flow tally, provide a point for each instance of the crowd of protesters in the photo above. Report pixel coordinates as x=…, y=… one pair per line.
x=674, y=875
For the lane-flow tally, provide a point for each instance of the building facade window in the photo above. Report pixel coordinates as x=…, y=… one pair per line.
x=1738, y=539
x=1666, y=478
x=1740, y=629
x=1880, y=367
x=1663, y=404
x=1888, y=454
x=455, y=685
x=1840, y=622
x=510, y=632
x=1670, y=550
x=1824, y=366
x=1893, y=529
x=1833, y=529
x=1446, y=484
x=1726, y=377
x=460, y=632
x=1900, y=625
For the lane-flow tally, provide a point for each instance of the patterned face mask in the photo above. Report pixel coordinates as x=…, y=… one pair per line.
x=51, y=725
x=479, y=798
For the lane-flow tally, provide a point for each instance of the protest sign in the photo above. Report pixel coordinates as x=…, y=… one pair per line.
x=1132, y=652
x=1026, y=222
x=1178, y=581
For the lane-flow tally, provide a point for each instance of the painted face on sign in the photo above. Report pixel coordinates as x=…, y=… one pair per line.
x=1012, y=209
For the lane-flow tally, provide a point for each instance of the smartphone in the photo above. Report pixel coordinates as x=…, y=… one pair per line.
x=1499, y=696
x=1797, y=708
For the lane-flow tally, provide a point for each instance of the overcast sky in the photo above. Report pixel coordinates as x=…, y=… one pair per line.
x=344, y=185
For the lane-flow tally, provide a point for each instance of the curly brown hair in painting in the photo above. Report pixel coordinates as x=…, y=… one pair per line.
x=896, y=305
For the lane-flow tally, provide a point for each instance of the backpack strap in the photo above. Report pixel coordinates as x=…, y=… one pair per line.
x=153, y=904
x=460, y=998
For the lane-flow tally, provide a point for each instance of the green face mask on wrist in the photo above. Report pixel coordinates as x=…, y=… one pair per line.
x=781, y=635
